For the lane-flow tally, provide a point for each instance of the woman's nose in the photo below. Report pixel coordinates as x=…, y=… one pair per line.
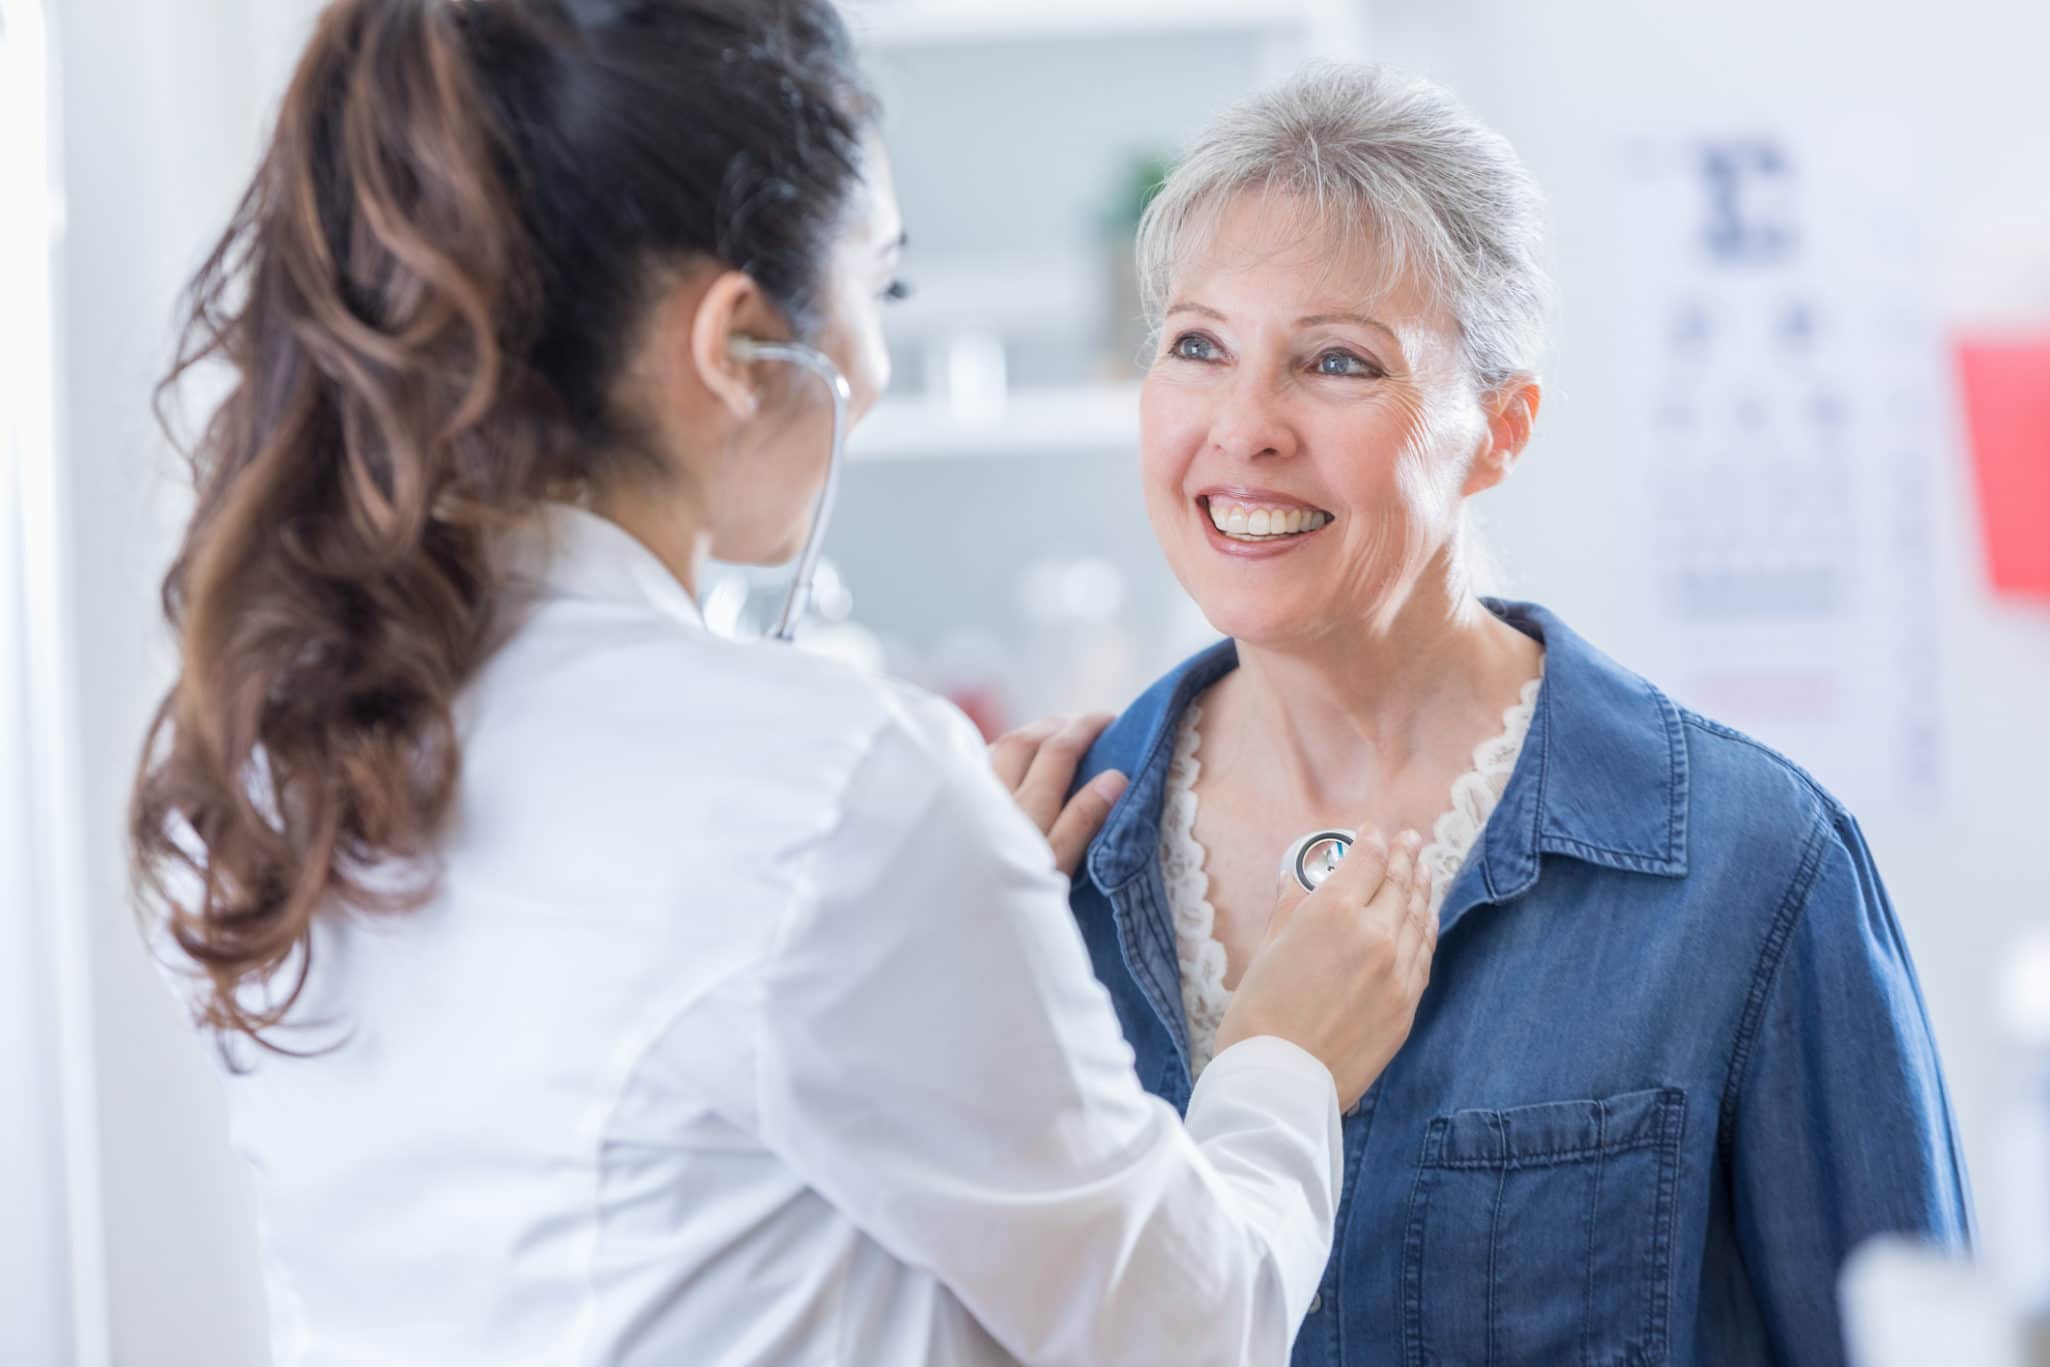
x=1251, y=422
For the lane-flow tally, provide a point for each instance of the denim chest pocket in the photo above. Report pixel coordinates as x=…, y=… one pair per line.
x=1543, y=1234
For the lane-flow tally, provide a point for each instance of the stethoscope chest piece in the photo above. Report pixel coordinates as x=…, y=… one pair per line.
x=1315, y=857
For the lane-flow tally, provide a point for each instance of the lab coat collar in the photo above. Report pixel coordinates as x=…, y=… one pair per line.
x=571, y=552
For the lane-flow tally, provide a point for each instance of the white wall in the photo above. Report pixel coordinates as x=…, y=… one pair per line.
x=161, y=109
x=36, y=1243
x=50, y=1251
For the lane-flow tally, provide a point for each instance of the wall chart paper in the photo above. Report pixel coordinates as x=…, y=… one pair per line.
x=1789, y=388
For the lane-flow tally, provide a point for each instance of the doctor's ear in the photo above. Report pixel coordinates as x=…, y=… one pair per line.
x=731, y=311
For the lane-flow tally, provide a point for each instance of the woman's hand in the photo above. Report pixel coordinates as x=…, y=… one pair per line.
x=1343, y=968
x=1037, y=763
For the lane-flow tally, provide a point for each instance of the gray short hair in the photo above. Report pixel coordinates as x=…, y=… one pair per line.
x=1372, y=149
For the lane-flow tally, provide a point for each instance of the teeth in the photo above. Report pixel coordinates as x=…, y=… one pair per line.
x=1237, y=521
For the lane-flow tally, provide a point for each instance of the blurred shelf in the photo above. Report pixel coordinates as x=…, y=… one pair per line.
x=1016, y=295
x=1047, y=421
x=921, y=23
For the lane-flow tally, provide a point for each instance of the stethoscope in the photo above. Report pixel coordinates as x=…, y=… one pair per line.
x=1310, y=861
x=1316, y=856
x=816, y=362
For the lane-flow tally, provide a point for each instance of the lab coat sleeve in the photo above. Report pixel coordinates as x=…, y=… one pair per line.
x=1839, y=1127
x=938, y=1061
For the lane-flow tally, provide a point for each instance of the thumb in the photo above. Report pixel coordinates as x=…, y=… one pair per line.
x=1082, y=818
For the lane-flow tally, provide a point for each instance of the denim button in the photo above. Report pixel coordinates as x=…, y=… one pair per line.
x=1316, y=1302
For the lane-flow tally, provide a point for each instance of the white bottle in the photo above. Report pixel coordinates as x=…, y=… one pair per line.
x=2015, y=1217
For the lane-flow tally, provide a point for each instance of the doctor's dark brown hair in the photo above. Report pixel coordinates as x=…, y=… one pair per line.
x=423, y=304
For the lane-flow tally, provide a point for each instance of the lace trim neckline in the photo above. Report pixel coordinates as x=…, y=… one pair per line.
x=1205, y=998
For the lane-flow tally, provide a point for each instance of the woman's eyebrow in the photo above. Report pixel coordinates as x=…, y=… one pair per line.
x=1313, y=320
x=1356, y=319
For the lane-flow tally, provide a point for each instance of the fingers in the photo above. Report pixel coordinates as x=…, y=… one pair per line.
x=1043, y=791
x=1359, y=875
x=1038, y=762
x=1392, y=897
x=1419, y=934
x=1012, y=755
x=1423, y=910
x=1083, y=817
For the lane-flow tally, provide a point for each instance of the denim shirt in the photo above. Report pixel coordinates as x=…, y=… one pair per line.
x=1672, y=1067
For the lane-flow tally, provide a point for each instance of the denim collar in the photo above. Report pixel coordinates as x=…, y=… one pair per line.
x=1602, y=778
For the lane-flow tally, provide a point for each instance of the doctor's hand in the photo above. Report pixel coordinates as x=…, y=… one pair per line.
x=1343, y=968
x=1037, y=763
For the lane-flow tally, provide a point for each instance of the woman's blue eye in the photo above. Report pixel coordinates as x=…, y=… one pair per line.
x=1193, y=347
x=897, y=291
x=1343, y=363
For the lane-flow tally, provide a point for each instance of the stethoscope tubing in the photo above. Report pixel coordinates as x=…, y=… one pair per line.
x=814, y=362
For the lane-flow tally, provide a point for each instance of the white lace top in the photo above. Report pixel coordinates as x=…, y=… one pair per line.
x=1204, y=995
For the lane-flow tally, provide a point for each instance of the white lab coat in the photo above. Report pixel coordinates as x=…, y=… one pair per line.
x=747, y=1025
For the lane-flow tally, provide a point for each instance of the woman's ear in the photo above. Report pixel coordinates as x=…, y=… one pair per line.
x=732, y=306
x=1512, y=412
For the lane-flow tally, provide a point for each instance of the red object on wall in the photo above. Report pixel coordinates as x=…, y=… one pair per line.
x=2007, y=403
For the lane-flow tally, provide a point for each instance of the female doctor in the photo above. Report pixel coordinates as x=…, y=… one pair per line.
x=590, y=988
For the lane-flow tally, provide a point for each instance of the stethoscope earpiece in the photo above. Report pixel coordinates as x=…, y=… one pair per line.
x=816, y=362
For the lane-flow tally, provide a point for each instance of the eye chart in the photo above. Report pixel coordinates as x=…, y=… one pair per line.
x=1789, y=392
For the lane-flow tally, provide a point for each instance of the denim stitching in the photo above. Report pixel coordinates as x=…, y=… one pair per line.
x=1495, y=1242
x=1539, y=800
x=1141, y=966
x=1763, y=976
x=1413, y=1253
x=1674, y=1123
x=1663, y=1133
x=1594, y=1205
x=1355, y=1166
x=1778, y=760
x=1549, y=1158
x=1634, y=860
x=1676, y=748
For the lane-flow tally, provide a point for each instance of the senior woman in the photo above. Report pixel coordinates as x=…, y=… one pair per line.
x=1674, y=1063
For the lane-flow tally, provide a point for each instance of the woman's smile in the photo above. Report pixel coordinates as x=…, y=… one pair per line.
x=1258, y=524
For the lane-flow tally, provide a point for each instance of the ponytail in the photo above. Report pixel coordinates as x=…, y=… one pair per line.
x=421, y=333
